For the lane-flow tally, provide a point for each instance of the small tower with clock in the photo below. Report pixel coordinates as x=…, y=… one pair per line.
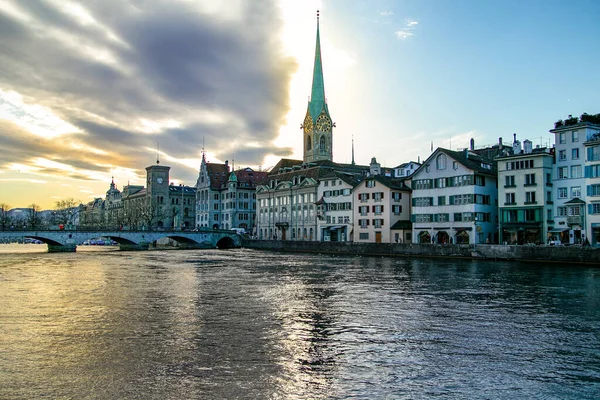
x=317, y=126
x=157, y=183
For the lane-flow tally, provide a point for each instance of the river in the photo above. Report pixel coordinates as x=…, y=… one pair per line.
x=247, y=324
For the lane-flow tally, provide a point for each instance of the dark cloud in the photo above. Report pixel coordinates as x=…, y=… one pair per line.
x=164, y=61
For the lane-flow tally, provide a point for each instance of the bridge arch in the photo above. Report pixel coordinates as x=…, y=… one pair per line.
x=226, y=243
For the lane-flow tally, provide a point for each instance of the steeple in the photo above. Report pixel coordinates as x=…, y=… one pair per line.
x=317, y=126
x=317, y=94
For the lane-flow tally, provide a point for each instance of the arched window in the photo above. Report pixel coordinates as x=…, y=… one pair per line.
x=308, y=143
x=322, y=144
x=440, y=161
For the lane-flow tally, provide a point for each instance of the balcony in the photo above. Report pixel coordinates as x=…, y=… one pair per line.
x=575, y=220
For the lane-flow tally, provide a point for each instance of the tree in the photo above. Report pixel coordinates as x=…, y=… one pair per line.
x=4, y=217
x=66, y=211
x=32, y=217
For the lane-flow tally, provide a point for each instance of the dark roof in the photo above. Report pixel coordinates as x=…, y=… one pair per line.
x=468, y=158
x=401, y=225
x=218, y=174
x=392, y=183
x=248, y=178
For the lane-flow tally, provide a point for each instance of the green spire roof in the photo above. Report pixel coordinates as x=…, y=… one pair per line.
x=232, y=177
x=317, y=96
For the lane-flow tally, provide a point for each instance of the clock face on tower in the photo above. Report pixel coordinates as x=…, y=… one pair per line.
x=323, y=124
x=308, y=124
x=159, y=180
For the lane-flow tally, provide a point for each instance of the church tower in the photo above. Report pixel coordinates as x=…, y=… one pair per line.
x=317, y=126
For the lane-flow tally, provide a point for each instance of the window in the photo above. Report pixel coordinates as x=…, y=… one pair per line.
x=441, y=200
x=593, y=153
x=549, y=179
x=549, y=197
x=593, y=190
x=563, y=172
x=575, y=191
x=363, y=210
x=363, y=197
x=529, y=179
x=530, y=197
x=363, y=236
x=422, y=201
x=422, y=217
x=562, y=138
x=575, y=154
x=509, y=181
x=440, y=161
x=562, y=155
x=370, y=183
x=510, y=198
x=378, y=196
x=458, y=217
x=530, y=215
x=455, y=165
x=562, y=193
x=576, y=171
x=479, y=180
x=378, y=210
x=575, y=136
x=363, y=223
x=397, y=210
x=595, y=208
x=562, y=211
x=396, y=196
x=378, y=223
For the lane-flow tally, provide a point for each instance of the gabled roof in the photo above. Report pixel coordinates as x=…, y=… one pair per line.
x=218, y=174
x=468, y=159
x=392, y=183
x=249, y=178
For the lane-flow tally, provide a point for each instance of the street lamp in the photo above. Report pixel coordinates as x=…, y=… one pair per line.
x=181, y=208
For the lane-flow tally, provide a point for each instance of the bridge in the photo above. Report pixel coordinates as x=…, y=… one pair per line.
x=67, y=240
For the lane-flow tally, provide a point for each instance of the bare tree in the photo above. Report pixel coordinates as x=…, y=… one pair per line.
x=4, y=217
x=150, y=214
x=65, y=211
x=32, y=217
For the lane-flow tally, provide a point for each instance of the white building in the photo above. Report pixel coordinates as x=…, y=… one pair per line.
x=405, y=170
x=525, y=195
x=454, y=198
x=334, y=207
x=575, y=137
x=382, y=210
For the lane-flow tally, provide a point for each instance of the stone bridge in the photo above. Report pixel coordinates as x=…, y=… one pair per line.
x=67, y=240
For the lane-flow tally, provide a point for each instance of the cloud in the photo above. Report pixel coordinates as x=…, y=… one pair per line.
x=386, y=13
x=408, y=29
x=110, y=80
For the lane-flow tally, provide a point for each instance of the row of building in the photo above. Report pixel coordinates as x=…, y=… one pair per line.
x=505, y=193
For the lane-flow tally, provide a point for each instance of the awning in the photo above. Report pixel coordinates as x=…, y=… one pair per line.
x=557, y=230
x=334, y=227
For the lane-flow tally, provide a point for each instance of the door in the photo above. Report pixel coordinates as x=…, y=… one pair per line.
x=377, y=237
x=283, y=232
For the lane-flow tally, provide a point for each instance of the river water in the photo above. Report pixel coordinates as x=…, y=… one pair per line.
x=246, y=324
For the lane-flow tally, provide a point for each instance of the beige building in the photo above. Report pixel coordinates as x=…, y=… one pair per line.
x=382, y=210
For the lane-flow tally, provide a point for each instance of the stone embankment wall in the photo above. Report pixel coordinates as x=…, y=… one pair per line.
x=587, y=255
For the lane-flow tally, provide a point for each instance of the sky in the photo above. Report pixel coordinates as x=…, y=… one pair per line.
x=96, y=89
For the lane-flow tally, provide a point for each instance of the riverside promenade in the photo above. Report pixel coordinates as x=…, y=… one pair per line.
x=541, y=253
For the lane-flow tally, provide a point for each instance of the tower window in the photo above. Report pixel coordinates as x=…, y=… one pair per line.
x=322, y=144
x=308, y=143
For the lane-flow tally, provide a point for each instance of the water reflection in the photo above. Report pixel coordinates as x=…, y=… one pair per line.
x=249, y=325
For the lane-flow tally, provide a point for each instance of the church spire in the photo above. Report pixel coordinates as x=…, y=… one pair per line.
x=317, y=124
x=317, y=95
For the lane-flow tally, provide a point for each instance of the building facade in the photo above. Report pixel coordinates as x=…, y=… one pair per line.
x=335, y=217
x=570, y=181
x=525, y=195
x=382, y=211
x=224, y=199
x=454, y=198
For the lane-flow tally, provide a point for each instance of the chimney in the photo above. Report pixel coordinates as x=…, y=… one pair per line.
x=500, y=142
x=472, y=144
x=527, y=146
x=514, y=137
